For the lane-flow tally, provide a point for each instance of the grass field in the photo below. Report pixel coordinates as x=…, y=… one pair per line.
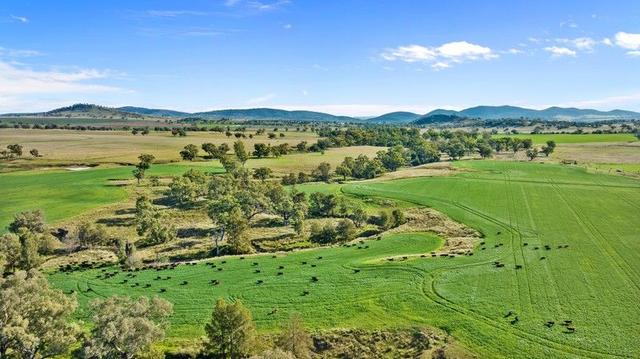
x=541, y=139
x=595, y=281
x=62, y=193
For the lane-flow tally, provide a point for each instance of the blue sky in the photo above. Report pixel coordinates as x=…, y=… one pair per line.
x=344, y=57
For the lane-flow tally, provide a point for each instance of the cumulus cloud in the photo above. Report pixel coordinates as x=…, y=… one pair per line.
x=441, y=57
x=557, y=51
x=629, y=42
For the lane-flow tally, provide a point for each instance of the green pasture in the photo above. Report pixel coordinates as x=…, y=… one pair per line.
x=63, y=193
x=542, y=138
x=593, y=280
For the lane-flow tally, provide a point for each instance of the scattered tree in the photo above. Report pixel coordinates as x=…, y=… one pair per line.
x=241, y=153
x=295, y=339
x=231, y=332
x=189, y=152
x=125, y=327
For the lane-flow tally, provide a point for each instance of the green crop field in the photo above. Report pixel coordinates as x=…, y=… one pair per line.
x=593, y=280
x=540, y=139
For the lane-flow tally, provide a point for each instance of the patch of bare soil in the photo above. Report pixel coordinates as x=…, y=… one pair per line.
x=459, y=239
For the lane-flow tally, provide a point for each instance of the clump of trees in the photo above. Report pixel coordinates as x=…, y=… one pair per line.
x=125, y=327
x=189, y=152
x=27, y=239
x=231, y=332
x=36, y=319
x=152, y=223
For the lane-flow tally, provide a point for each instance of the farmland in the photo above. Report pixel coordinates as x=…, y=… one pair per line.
x=566, y=138
x=571, y=234
x=65, y=193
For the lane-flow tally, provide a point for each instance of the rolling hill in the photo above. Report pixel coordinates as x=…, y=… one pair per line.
x=551, y=113
x=81, y=110
x=274, y=114
x=396, y=117
x=400, y=117
x=152, y=111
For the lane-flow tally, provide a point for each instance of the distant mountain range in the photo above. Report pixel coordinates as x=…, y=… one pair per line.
x=257, y=114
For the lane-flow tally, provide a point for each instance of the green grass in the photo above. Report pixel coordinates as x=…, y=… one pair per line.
x=595, y=281
x=540, y=139
x=62, y=193
x=351, y=297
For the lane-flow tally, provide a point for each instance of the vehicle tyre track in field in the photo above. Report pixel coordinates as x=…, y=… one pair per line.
x=602, y=242
x=547, y=270
x=518, y=234
x=431, y=292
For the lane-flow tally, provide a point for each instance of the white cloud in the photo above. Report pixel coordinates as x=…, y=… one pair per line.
x=287, y=26
x=569, y=23
x=581, y=43
x=266, y=6
x=174, y=13
x=440, y=57
x=18, y=52
x=18, y=83
x=635, y=53
x=622, y=101
x=21, y=19
x=584, y=43
x=607, y=41
x=261, y=99
x=628, y=41
x=514, y=51
x=560, y=51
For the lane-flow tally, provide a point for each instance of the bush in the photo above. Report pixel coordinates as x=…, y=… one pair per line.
x=323, y=234
x=90, y=234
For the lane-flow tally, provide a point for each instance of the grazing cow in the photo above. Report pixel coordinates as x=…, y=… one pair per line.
x=509, y=313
